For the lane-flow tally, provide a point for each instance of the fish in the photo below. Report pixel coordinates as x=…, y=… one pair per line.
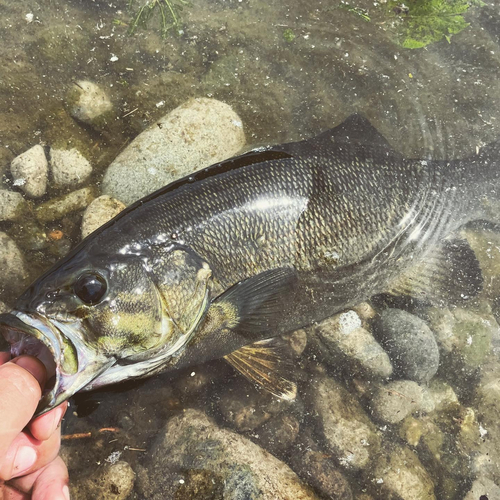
x=223, y=262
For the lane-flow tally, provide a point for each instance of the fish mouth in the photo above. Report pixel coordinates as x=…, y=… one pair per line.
x=70, y=363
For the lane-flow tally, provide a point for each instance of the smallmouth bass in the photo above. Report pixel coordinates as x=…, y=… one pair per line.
x=216, y=264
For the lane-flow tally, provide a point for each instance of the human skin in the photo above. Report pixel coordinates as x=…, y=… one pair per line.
x=29, y=463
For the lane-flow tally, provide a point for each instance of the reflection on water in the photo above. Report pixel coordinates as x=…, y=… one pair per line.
x=397, y=399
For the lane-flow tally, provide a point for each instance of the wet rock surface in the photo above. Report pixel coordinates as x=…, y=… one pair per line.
x=12, y=205
x=221, y=461
x=69, y=167
x=30, y=170
x=100, y=211
x=197, y=134
x=410, y=344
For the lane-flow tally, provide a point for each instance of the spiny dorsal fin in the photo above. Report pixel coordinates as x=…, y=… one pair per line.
x=449, y=273
x=356, y=130
x=267, y=363
x=254, y=304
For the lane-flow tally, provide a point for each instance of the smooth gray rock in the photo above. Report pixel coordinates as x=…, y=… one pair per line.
x=342, y=339
x=12, y=205
x=192, y=455
x=100, y=211
x=410, y=344
x=30, y=171
x=348, y=432
x=193, y=136
x=69, y=167
x=13, y=275
x=393, y=402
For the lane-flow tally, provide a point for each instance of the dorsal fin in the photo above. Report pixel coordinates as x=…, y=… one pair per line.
x=355, y=130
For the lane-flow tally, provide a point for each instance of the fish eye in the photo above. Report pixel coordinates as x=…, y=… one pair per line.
x=90, y=288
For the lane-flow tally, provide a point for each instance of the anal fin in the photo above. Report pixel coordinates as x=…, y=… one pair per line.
x=449, y=273
x=267, y=363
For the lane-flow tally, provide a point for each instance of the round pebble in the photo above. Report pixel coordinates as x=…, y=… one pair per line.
x=69, y=167
x=197, y=134
x=30, y=170
x=393, y=402
x=100, y=211
x=88, y=102
x=12, y=205
x=410, y=343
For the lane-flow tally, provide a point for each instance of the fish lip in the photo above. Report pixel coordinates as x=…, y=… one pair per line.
x=55, y=335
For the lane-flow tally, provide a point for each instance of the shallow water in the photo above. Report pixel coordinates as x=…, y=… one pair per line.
x=290, y=70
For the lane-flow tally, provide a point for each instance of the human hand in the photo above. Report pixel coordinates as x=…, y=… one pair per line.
x=29, y=463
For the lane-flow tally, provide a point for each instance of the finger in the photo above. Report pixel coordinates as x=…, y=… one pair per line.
x=19, y=395
x=25, y=447
x=8, y=492
x=4, y=357
x=44, y=426
x=48, y=483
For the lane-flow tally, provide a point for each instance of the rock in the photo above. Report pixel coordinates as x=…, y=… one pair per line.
x=348, y=432
x=29, y=171
x=194, y=458
x=4, y=307
x=442, y=394
x=12, y=205
x=483, y=489
x=195, y=135
x=13, y=276
x=69, y=167
x=246, y=408
x=318, y=470
x=410, y=344
x=278, y=433
x=100, y=211
x=342, y=338
x=399, y=474
x=113, y=482
x=297, y=341
x=393, y=402
x=89, y=103
x=365, y=311
x=58, y=207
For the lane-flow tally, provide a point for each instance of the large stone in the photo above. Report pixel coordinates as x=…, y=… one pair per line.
x=193, y=136
x=342, y=339
x=193, y=456
x=348, y=432
x=410, y=344
x=30, y=170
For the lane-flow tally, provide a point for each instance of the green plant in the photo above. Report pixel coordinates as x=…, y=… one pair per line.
x=168, y=12
x=422, y=22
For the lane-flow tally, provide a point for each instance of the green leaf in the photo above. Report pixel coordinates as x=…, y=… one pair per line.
x=422, y=22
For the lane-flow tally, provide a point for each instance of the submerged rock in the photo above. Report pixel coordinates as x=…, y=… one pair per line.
x=12, y=279
x=347, y=430
x=343, y=339
x=12, y=205
x=30, y=170
x=113, y=482
x=399, y=474
x=57, y=208
x=393, y=402
x=88, y=103
x=195, y=135
x=246, y=408
x=279, y=433
x=193, y=456
x=483, y=489
x=410, y=344
x=69, y=167
x=100, y=211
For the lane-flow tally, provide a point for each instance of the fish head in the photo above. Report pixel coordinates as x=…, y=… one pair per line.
x=94, y=320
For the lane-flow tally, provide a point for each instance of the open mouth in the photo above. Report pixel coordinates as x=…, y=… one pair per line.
x=35, y=336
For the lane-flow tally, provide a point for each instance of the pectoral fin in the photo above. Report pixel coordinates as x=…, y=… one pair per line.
x=267, y=363
x=252, y=307
x=449, y=273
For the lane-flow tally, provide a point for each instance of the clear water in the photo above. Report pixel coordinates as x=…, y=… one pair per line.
x=290, y=70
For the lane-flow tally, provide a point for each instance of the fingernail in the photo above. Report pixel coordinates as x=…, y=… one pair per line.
x=65, y=492
x=25, y=458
